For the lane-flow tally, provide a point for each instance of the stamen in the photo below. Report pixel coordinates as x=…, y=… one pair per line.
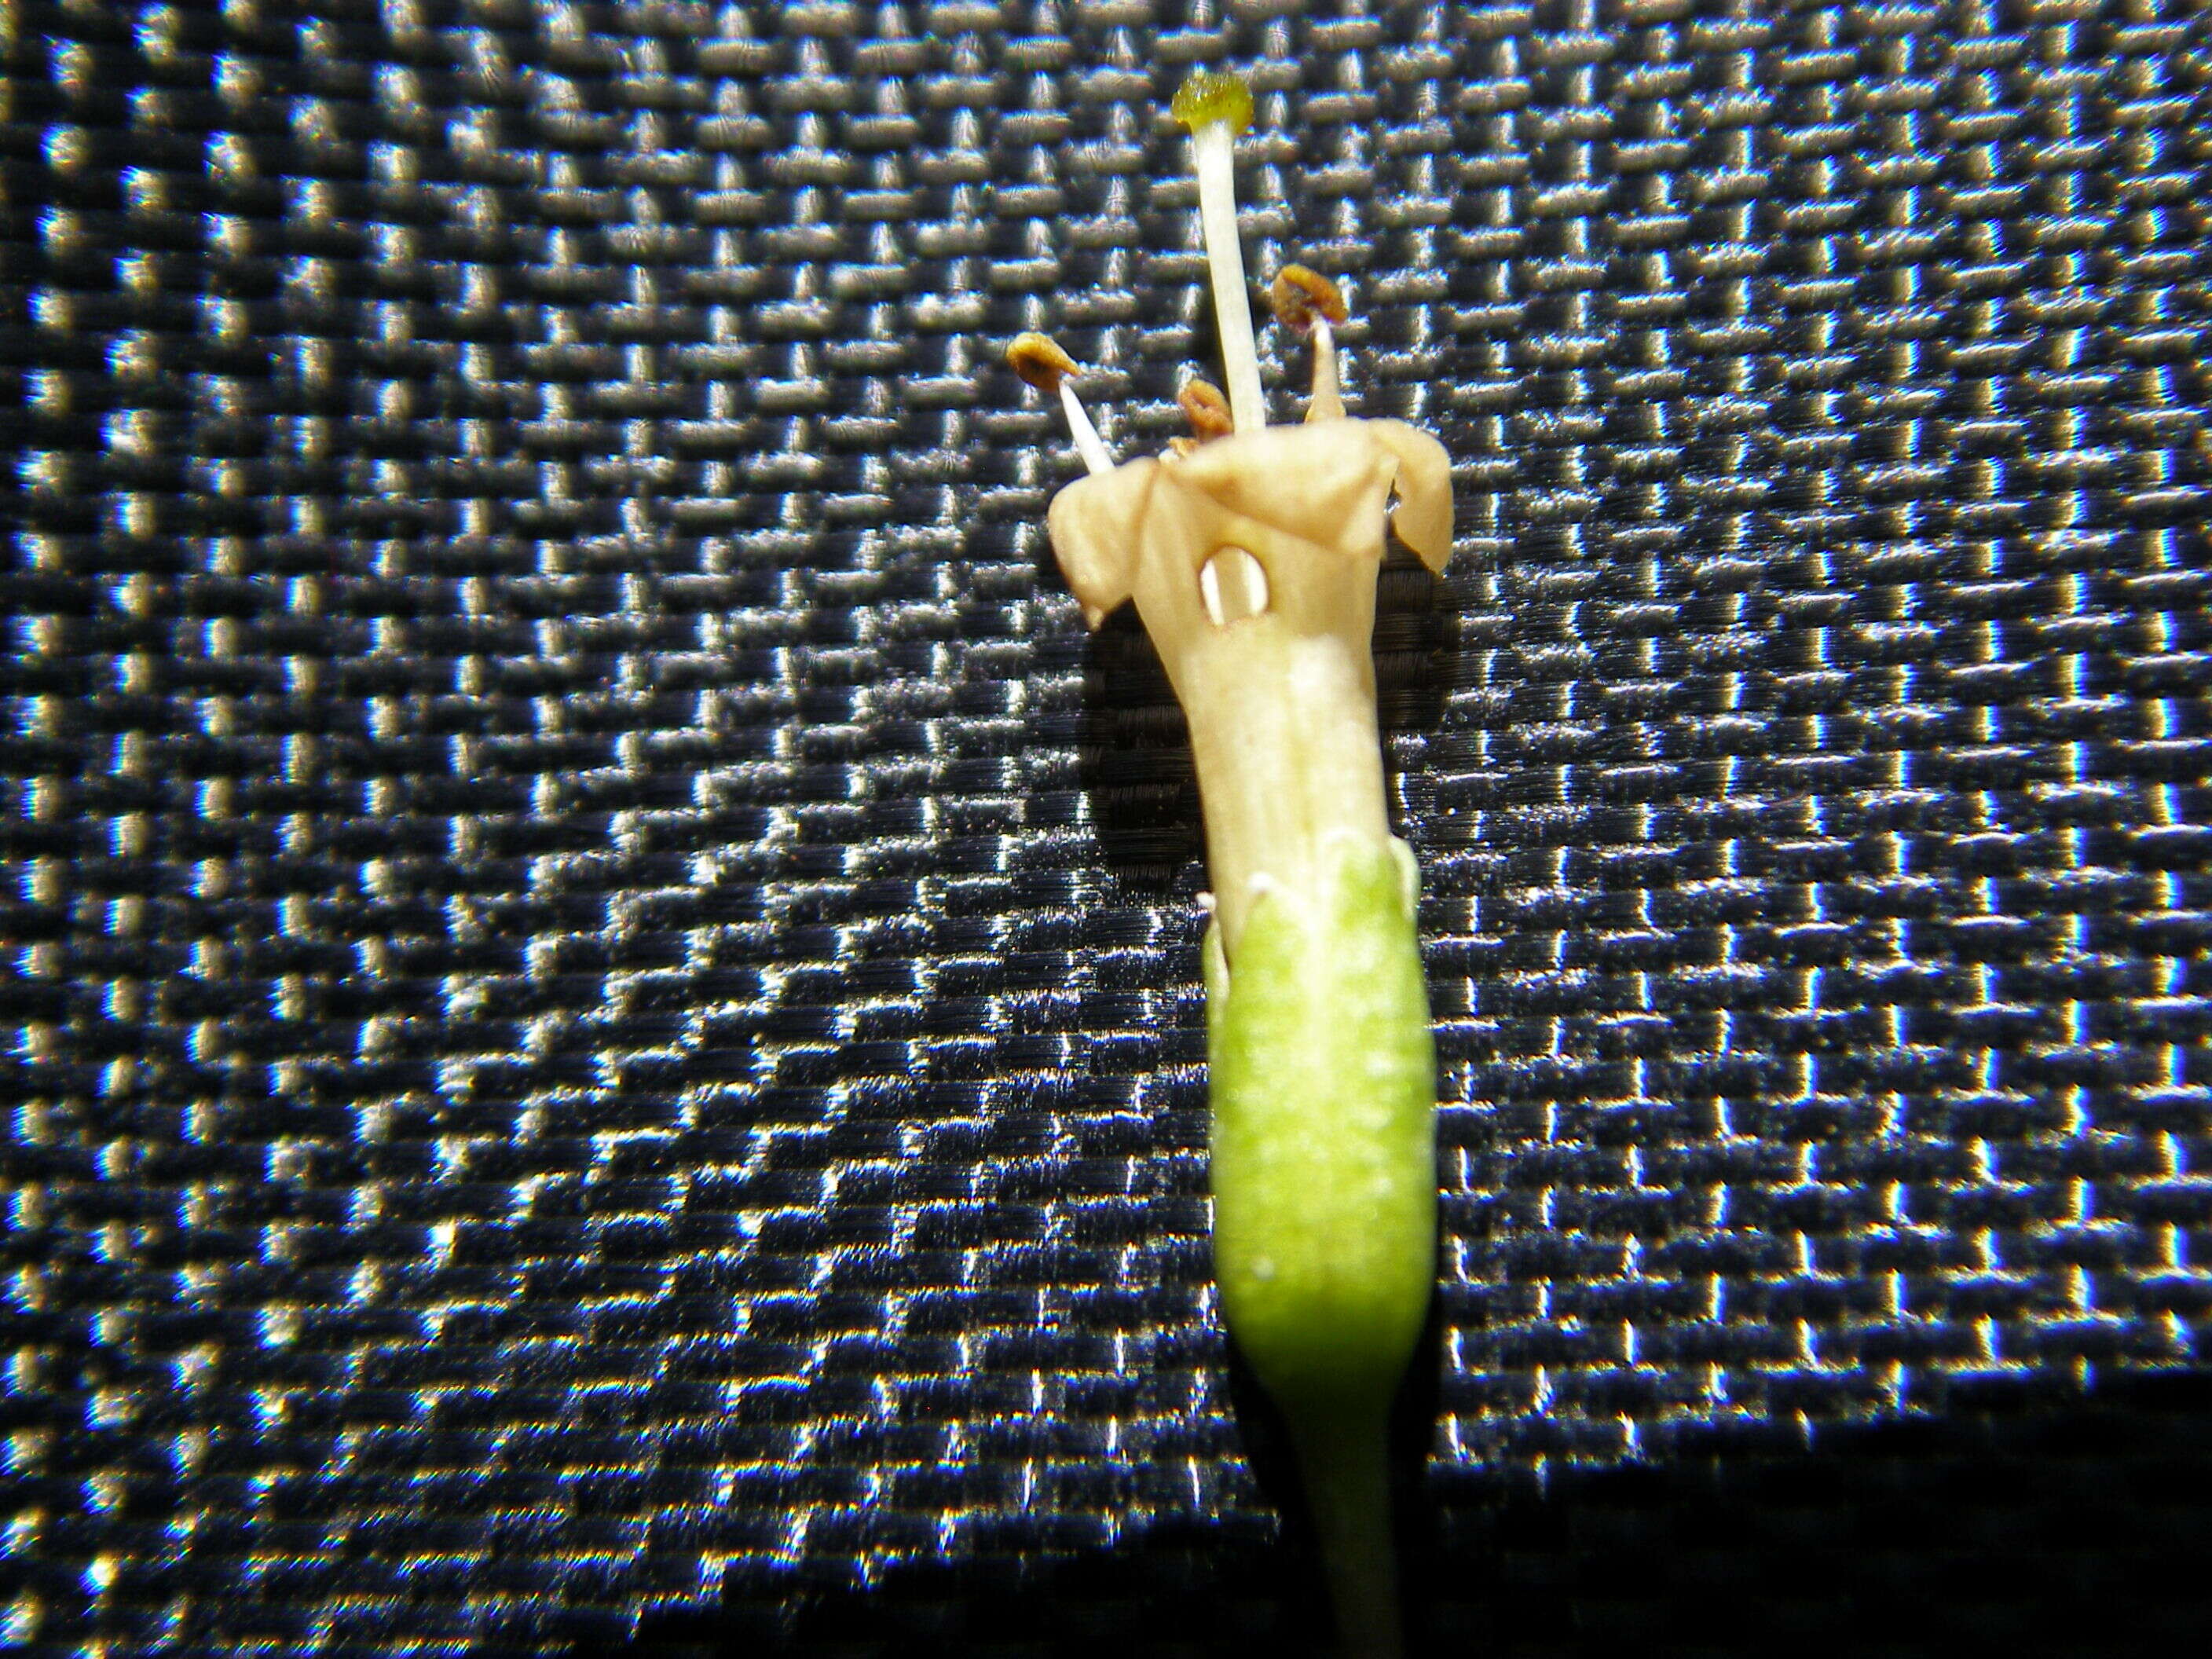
x=1299, y=294
x=1039, y=360
x=1206, y=410
x=1309, y=302
x=1216, y=108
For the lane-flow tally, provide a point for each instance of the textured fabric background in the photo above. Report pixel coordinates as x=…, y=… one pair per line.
x=602, y=1026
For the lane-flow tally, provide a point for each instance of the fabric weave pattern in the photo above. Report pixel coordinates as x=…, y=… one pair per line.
x=604, y=982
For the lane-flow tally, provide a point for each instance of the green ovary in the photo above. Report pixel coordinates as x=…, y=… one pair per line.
x=1323, y=1152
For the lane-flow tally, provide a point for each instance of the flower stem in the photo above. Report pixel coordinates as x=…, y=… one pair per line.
x=1343, y=1459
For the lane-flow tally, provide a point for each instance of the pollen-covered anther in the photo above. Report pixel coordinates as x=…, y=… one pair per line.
x=1040, y=361
x=1308, y=302
x=1206, y=410
x=1299, y=294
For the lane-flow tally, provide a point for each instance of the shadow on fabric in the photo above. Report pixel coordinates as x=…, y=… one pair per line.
x=2021, y=1519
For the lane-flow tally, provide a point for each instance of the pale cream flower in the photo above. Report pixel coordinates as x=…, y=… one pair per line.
x=1252, y=552
x=1253, y=561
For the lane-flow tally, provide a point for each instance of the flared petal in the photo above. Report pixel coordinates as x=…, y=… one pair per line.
x=1096, y=529
x=1422, y=515
x=1326, y=484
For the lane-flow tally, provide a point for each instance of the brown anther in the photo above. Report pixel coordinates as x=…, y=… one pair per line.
x=1038, y=360
x=1298, y=294
x=1206, y=410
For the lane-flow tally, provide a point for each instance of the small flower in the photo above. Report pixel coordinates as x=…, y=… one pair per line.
x=1251, y=551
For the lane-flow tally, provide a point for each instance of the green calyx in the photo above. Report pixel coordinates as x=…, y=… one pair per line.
x=1209, y=97
x=1324, y=1124
x=1324, y=1189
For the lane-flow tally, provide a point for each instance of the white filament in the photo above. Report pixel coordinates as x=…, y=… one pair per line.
x=1088, y=443
x=1328, y=402
x=1232, y=585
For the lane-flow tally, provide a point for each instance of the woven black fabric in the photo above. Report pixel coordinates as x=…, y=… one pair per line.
x=604, y=1033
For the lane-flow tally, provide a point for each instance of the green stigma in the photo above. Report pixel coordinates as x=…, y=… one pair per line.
x=1208, y=97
